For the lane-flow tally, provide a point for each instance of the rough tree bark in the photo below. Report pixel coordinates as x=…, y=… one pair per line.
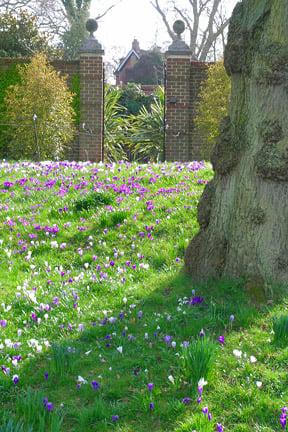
x=243, y=213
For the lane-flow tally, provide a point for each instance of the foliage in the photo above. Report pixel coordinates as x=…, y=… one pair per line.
x=133, y=98
x=149, y=69
x=20, y=36
x=42, y=92
x=198, y=359
x=115, y=125
x=147, y=130
x=213, y=106
x=280, y=328
x=7, y=78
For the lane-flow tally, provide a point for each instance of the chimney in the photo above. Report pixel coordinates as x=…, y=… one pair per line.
x=136, y=46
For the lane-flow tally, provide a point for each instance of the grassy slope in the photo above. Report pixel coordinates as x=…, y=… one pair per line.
x=86, y=295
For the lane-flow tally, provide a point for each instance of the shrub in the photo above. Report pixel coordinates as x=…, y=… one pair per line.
x=198, y=359
x=213, y=106
x=133, y=98
x=147, y=130
x=280, y=327
x=7, y=78
x=41, y=92
x=115, y=125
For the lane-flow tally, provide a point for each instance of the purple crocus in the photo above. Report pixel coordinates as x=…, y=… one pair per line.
x=95, y=385
x=115, y=418
x=150, y=387
x=49, y=406
x=151, y=406
x=221, y=340
x=196, y=300
x=205, y=410
x=283, y=418
x=186, y=400
x=15, y=379
x=219, y=427
x=3, y=323
x=46, y=375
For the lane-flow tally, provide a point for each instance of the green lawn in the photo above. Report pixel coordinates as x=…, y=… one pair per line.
x=95, y=306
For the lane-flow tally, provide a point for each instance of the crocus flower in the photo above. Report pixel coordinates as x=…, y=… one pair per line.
x=15, y=379
x=196, y=300
x=3, y=323
x=95, y=385
x=150, y=386
x=221, y=340
x=151, y=406
x=114, y=418
x=186, y=400
x=49, y=406
x=46, y=375
x=219, y=427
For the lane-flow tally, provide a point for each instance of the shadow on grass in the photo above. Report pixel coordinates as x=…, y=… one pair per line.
x=126, y=350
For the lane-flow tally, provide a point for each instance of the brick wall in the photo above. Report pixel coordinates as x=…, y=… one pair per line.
x=91, y=107
x=182, y=85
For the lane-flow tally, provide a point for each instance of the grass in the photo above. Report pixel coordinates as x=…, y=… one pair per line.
x=93, y=290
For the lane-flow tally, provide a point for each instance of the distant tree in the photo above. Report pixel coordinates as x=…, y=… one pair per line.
x=64, y=20
x=148, y=70
x=20, y=37
x=205, y=20
x=213, y=106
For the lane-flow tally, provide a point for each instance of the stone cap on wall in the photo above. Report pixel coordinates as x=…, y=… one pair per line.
x=178, y=46
x=91, y=44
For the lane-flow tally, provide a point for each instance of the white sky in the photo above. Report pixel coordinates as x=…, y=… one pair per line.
x=133, y=19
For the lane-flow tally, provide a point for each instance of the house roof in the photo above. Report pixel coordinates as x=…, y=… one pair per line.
x=124, y=61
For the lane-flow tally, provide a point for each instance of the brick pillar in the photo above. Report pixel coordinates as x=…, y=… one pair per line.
x=91, y=97
x=177, y=98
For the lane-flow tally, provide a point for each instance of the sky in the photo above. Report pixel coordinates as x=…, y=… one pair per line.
x=133, y=19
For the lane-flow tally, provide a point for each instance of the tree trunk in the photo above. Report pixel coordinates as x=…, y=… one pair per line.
x=243, y=213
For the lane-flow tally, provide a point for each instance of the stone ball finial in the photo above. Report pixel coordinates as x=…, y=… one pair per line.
x=179, y=27
x=91, y=26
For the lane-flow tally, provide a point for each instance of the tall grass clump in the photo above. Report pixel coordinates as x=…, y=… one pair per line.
x=31, y=410
x=198, y=359
x=62, y=360
x=280, y=328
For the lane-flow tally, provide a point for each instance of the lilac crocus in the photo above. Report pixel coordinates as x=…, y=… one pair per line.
x=219, y=427
x=186, y=400
x=151, y=406
x=168, y=339
x=3, y=323
x=46, y=375
x=115, y=418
